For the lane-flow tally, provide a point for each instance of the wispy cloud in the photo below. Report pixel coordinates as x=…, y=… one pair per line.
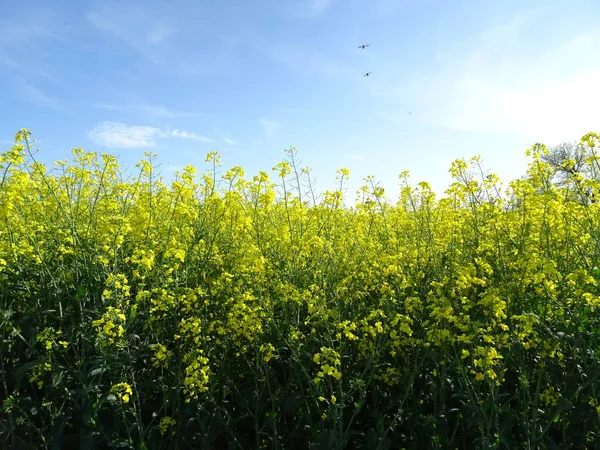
x=124, y=100
x=26, y=40
x=230, y=142
x=139, y=27
x=269, y=126
x=494, y=82
x=155, y=111
x=161, y=35
x=120, y=135
x=320, y=5
x=40, y=27
x=385, y=7
x=313, y=62
x=32, y=94
x=10, y=62
x=308, y=9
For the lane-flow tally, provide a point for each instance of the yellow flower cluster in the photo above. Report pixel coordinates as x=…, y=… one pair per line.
x=38, y=372
x=197, y=374
x=122, y=391
x=110, y=326
x=161, y=355
x=550, y=396
x=486, y=362
x=329, y=361
x=49, y=337
x=166, y=423
x=347, y=330
x=267, y=351
x=244, y=318
x=117, y=288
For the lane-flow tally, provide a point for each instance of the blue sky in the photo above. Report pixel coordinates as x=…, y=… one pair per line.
x=251, y=78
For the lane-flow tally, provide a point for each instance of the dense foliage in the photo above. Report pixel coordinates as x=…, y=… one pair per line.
x=227, y=312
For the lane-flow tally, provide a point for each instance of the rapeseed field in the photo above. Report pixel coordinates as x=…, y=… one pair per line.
x=226, y=311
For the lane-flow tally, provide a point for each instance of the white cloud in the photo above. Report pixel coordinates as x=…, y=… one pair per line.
x=120, y=135
x=188, y=135
x=270, y=126
x=230, y=142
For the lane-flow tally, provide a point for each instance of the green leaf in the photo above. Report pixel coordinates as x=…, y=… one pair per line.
x=98, y=371
x=57, y=431
x=25, y=368
x=81, y=292
x=564, y=404
x=57, y=378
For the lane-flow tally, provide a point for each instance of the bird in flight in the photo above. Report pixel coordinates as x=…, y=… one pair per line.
x=367, y=74
x=362, y=47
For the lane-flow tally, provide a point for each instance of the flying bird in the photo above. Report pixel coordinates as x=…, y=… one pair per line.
x=367, y=74
x=362, y=47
